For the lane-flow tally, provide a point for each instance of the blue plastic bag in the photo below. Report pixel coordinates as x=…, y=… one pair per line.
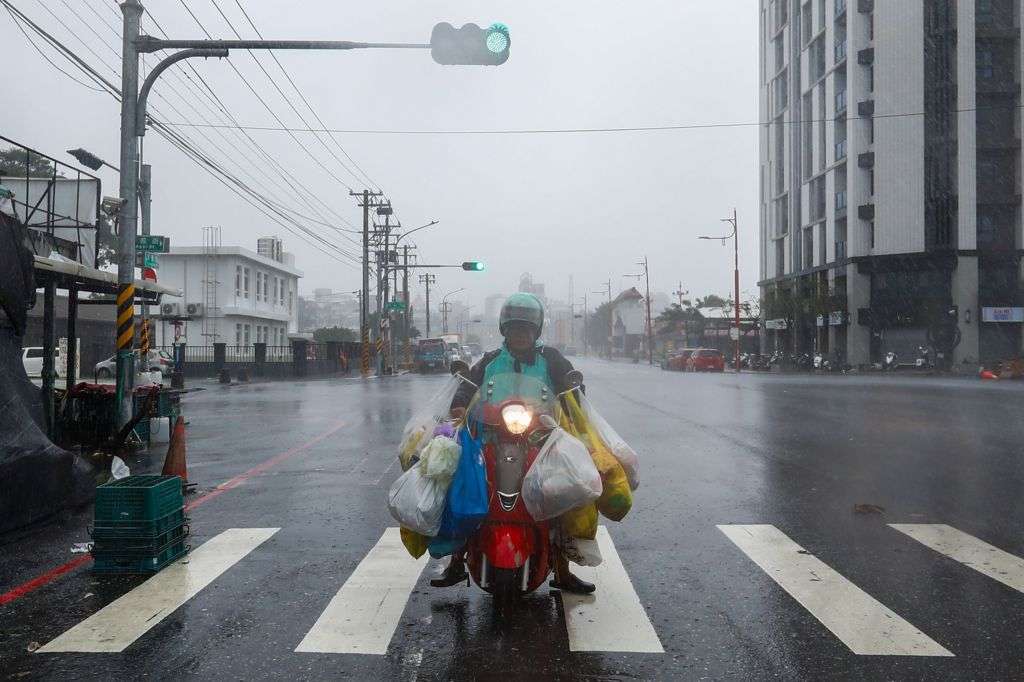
x=467, y=503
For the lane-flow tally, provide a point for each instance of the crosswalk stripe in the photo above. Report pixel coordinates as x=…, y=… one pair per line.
x=860, y=622
x=363, y=615
x=114, y=627
x=968, y=550
x=611, y=619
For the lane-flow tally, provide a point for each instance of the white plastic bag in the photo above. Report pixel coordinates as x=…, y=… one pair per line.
x=440, y=458
x=562, y=477
x=419, y=429
x=626, y=456
x=417, y=502
x=582, y=551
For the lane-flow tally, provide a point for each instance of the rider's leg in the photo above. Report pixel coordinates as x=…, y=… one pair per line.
x=565, y=580
x=455, y=573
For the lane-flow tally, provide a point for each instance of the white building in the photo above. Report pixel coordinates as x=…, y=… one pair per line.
x=231, y=295
x=890, y=174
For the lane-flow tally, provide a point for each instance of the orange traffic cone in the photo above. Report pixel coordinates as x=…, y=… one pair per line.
x=174, y=464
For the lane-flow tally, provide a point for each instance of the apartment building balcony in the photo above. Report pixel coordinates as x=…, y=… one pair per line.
x=840, y=51
x=840, y=150
x=841, y=198
x=841, y=102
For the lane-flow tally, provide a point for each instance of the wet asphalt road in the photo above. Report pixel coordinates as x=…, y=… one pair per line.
x=795, y=452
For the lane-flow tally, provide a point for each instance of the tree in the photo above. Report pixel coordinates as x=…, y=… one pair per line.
x=711, y=301
x=599, y=324
x=341, y=334
x=17, y=162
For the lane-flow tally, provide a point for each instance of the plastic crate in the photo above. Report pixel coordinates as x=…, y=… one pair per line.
x=107, y=529
x=138, y=498
x=138, y=547
x=149, y=564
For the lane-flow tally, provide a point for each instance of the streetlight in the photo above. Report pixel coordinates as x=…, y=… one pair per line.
x=406, y=314
x=90, y=160
x=444, y=309
x=736, y=277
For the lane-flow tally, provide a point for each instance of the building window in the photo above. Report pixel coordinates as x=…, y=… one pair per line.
x=871, y=182
x=984, y=62
x=984, y=11
x=238, y=280
x=245, y=282
x=871, y=234
x=246, y=336
x=780, y=257
x=238, y=335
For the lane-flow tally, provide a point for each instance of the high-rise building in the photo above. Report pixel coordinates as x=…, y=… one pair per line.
x=890, y=195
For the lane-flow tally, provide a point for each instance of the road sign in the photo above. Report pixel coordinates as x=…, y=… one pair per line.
x=154, y=243
x=396, y=306
x=147, y=260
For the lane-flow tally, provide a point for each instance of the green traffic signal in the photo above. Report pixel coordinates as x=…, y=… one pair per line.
x=470, y=44
x=473, y=266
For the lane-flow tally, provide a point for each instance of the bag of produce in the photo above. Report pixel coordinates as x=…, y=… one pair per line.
x=418, y=502
x=440, y=458
x=580, y=522
x=561, y=478
x=415, y=543
x=419, y=430
x=468, y=501
x=618, y=447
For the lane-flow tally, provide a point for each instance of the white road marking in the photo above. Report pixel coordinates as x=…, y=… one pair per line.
x=860, y=622
x=114, y=627
x=611, y=619
x=363, y=615
x=968, y=550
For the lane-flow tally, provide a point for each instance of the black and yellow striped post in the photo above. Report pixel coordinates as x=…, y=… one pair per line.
x=365, y=367
x=125, y=357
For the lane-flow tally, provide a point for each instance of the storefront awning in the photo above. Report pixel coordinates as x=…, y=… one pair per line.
x=67, y=273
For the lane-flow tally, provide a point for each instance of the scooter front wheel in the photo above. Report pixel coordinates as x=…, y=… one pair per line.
x=505, y=583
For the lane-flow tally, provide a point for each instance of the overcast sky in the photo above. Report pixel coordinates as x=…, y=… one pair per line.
x=555, y=205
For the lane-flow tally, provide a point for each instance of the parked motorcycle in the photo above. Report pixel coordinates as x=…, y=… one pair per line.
x=889, y=362
x=511, y=554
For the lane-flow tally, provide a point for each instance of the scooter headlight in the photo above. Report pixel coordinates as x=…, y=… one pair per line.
x=517, y=418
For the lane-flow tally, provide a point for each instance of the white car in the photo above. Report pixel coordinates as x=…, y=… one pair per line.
x=32, y=359
x=156, y=361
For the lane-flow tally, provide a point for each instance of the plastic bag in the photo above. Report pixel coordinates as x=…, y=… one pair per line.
x=618, y=447
x=580, y=522
x=561, y=478
x=616, y=499
x=419, y=429
x=468, y=501
x=582, y=551
x=415, y=543
x=418, y=502
x=440, y=458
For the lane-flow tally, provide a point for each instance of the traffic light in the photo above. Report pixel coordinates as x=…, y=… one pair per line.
x=470, y=44
x=473, y=266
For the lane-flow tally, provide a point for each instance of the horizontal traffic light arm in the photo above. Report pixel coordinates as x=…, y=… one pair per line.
x=418, y=267
x=153, y=44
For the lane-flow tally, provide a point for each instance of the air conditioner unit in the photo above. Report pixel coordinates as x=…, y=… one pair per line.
x=170, y=309
x=194, y=309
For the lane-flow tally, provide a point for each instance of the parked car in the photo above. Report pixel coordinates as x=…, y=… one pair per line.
x=32, y=359
x=706, y=360
x=156, y=361
x=676, y=362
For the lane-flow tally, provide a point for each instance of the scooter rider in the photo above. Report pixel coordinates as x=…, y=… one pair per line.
x=521, y=323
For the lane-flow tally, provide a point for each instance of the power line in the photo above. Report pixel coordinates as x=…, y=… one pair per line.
x=42, y=54
x=622, y=129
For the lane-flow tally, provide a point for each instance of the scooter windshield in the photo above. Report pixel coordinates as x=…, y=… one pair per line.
x=512, y=388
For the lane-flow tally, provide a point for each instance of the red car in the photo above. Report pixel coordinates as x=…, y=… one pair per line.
x=677, y=361
x=706, y=360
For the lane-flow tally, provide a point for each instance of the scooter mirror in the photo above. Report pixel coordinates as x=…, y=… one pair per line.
x=459, y=367
x=574, y=378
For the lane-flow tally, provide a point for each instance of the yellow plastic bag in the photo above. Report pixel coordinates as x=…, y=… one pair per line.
x=581, y=522
x=415, y=543
x=616, y=497
x=410, y=446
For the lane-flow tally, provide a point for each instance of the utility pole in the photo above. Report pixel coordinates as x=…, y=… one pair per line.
x=428, y=279
x=585, y=335
x=146, y=203
x=650, y=334
x=129, y=178
x=364, y=298
x=407, y=313
x=680, y=293
x=611, y=317
x=445, y=309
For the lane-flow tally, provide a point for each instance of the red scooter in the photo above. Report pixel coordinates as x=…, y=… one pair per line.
x=511, y=554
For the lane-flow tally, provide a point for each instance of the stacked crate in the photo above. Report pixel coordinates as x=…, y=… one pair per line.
x=140, y=524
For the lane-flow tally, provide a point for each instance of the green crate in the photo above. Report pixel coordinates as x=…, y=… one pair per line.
x=138, y=498
x=138, y=547
x=150, y=564
x=106, y=529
